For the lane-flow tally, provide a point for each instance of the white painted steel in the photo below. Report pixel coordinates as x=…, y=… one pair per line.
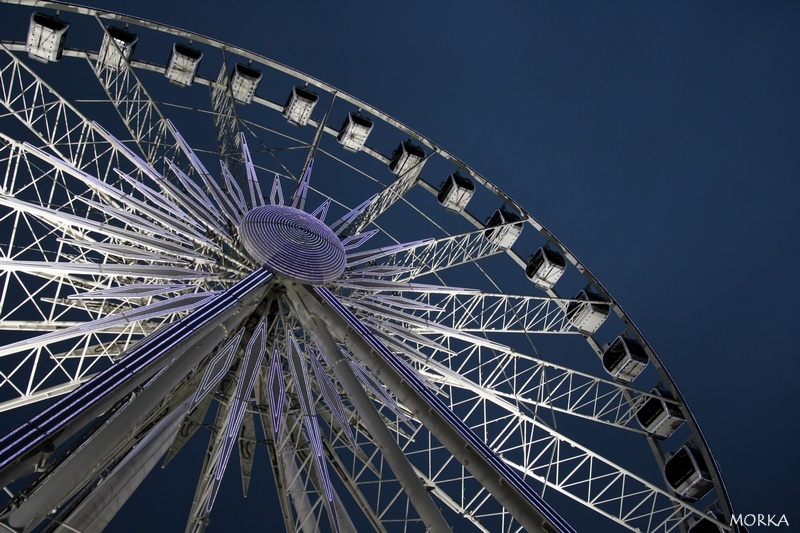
x=92, y=218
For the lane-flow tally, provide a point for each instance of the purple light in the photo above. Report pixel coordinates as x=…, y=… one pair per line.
x=293, y=244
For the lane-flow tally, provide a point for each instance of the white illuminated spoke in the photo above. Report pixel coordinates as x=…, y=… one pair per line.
x=256, y=199
x=428, y=256
x=129, y=291
x=331, y=396
x=322, y=210
x=276, y=195
x=299, y=196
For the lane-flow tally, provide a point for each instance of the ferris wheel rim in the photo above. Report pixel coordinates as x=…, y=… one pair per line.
x=486, y=183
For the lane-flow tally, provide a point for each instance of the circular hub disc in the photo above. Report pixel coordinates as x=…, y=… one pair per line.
x=293, y=244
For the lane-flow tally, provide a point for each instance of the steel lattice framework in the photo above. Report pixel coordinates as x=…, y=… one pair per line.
x=428, y=385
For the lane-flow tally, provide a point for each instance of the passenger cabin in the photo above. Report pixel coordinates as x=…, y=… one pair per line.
x=299, y=106
x=46, y=38
x=244, y=81
x=354, y=132
x=503, y=228
x=545, y=268
x=456, y=192
x=705, y=525
x=407, y=159
x=589, y=311
x=182, y=65
x=624, y=359
x=659, y=416
x=117, y=47
x=687, y=474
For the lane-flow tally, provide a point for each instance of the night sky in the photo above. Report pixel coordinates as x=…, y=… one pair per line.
x=658, y=141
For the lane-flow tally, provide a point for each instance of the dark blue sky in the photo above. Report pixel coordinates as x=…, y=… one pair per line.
x=659, y=141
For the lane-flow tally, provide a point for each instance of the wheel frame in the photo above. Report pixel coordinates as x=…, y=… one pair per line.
x=550, y=240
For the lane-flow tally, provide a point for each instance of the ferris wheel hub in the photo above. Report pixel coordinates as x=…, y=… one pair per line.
x=293, y=244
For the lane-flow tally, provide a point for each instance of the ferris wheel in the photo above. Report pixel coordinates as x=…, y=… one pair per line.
x=220, y=248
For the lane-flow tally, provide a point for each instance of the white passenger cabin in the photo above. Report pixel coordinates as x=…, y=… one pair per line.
x=354, y=132
x=545, y=268
x=183, y=63
x=117, y=47
x=587, y=317
x=503, y=228
x=456, y=192
x=624, y=359
x=705, y=525
x=687, y=474
x=407, y=159
x=244, y=82
x=299, y=106
x=658, y=415
x=46, y=38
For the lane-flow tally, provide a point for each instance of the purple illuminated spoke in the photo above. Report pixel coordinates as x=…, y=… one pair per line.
x=276, y=391
x=254, y=354
x=299, y=371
